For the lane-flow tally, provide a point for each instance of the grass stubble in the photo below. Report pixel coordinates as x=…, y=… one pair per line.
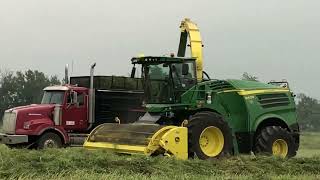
x=78, y=163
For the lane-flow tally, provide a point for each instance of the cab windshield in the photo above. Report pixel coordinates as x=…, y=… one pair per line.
x=166, y=82
x=53, y=97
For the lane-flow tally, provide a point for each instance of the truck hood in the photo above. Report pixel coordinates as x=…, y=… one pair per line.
x=34, y=108
x=31, y=115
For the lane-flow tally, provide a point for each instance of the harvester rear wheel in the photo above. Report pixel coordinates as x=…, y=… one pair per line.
x=209, y=136
x=277, y=141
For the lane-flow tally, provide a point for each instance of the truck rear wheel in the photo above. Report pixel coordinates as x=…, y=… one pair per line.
x=209, y=136
x=277, y=141
x=49, y=140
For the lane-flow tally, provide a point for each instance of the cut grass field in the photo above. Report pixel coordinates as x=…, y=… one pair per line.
x=78, y=163
x=309, y=145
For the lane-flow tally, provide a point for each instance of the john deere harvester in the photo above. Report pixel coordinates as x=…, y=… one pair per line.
x=189, y=115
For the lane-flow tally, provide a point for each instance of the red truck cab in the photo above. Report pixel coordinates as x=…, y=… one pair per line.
x=63, y=109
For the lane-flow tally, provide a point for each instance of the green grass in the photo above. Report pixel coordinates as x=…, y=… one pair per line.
x=78, y=163
x=309, y=145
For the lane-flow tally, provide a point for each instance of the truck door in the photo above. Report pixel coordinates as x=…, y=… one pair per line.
x=74, y=115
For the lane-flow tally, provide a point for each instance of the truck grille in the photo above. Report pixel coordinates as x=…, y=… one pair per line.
x=9, y=122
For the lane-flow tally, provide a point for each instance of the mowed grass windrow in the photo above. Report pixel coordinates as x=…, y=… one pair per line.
x=78, y=163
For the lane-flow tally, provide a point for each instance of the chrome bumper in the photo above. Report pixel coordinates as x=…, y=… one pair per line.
x=13, y=139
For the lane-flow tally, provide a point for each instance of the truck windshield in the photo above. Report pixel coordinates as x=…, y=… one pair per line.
x=52, y=97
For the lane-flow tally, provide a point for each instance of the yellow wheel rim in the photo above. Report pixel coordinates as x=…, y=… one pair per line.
x=211, y=141
x=280, y=148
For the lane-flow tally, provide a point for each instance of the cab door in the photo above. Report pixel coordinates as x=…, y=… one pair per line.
x=75, y=112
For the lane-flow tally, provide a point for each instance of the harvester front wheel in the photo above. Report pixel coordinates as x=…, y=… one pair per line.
x=277, y=141
x=209, y=136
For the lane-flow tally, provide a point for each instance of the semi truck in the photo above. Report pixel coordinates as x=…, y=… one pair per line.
x=67, y=113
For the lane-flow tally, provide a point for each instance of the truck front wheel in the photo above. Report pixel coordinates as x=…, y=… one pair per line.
x=49, y=140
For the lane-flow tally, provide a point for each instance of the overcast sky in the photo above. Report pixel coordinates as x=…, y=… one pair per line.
x=272, y=39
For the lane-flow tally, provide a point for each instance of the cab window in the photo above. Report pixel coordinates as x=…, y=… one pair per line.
x=81, y=99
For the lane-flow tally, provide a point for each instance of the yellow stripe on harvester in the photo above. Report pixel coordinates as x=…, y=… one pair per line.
x=96, y=145
x=262, y=91
x=243, y=92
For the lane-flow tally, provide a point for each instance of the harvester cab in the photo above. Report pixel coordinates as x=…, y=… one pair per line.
x=166, y=78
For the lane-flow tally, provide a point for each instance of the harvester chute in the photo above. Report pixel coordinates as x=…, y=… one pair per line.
x=190, y=30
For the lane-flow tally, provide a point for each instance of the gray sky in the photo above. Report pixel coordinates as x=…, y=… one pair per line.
x=272, y=39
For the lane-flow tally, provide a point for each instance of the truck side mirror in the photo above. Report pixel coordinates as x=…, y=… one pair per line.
x=74, y=97
x=133, y=72
x=185, y=69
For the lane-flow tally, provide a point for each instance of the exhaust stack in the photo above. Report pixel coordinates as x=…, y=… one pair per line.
x=91, y=96
x=66, y=74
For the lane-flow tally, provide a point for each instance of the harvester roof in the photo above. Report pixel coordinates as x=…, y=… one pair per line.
x=159, y=59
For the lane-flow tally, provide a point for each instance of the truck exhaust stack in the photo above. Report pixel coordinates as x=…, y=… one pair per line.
x=66, y=74
x=91, y=96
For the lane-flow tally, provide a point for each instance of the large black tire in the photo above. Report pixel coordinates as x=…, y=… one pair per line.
x=197, y=124
x=269, y=135
x=49, y=140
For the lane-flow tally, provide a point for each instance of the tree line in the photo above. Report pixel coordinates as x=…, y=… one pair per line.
x=26, y=87
x=23, y=87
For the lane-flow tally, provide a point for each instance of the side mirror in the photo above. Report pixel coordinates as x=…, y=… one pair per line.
x=75, y=97
x=72, y=99
x=185, y=69
x=133, y=72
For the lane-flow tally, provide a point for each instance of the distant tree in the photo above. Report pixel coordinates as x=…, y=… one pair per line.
x=308, y=111
x=23, y=88
x=247, y=76
x=54, y=80
x=7, y=91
